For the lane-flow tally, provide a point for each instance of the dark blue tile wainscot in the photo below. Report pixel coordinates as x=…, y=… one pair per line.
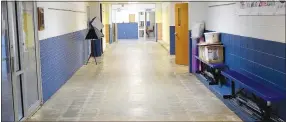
x=61, y=57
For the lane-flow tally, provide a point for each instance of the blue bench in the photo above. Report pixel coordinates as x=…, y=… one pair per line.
x=213, y=66
x=265, y=92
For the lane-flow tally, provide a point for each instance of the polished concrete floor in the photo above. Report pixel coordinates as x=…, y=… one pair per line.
x=135, y=80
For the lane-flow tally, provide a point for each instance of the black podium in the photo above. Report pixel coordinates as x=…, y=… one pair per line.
x=94, y=35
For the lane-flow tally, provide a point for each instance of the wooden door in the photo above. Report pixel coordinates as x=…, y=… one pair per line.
x=181, y=34
x=159, y=31
x=106, y=33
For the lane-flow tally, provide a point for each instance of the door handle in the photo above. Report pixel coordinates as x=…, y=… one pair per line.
x=12, y=64
x=176, y=34
x=19, y=72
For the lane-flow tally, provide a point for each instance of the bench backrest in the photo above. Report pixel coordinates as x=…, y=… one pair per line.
x=256, y=58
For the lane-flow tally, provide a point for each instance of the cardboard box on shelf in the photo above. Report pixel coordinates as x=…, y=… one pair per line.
x=211, y=53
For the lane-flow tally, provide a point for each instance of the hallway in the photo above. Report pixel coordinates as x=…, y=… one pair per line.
x=134, y=80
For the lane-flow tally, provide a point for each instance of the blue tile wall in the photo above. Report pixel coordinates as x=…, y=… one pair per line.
x=127, y=30
x=172, y=40
x=61, y=57
x=264, y=59
x=259, y=59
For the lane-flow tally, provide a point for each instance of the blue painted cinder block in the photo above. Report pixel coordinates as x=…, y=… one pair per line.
x=61, y=57
x=172, y=40
x=258, y=58
x=127, y=30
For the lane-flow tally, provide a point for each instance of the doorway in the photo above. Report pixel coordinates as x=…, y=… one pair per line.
x=181, y=34
x=150, y=25
x=23, y=57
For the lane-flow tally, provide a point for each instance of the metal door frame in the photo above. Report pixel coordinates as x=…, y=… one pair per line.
x=13, y=54
x=14, y=37
x=8, y=52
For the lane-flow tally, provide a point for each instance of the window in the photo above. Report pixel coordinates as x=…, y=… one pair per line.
x=179, y=16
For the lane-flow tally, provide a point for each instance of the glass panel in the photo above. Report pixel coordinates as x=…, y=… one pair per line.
x=19, y=97
x=29, y=58
x=179, y=17
x=6, y=84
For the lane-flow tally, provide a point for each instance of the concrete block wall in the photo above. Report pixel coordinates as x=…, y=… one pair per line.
x=61, y=43
x=61, y=57
x=127, y=31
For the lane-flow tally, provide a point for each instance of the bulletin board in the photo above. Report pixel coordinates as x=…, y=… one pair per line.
x=263, y=8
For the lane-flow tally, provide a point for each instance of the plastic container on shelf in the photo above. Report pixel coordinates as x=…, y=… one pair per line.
x=212, y=37
x=211, y=53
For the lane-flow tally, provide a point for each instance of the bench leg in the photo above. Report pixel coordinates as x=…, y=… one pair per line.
x=267, y=113
x=233, y=95
x=199, y=70
x=215, y=79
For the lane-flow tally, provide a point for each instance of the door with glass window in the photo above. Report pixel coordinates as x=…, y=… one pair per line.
x=181, y=34
x=28, y=56
x=25, y=59
x=21, y=87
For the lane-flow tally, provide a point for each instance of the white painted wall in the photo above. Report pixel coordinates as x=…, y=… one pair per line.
x=113, y=15
x=94, y=9
x=172, y=13
x=197, y=12
x=58, y=22
x=134, y=7
x=152, y=17
x=166, y=22
x=225, y=19
x=110, y=15
x=123, y=14
x=158, y=13
x=168, y=19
